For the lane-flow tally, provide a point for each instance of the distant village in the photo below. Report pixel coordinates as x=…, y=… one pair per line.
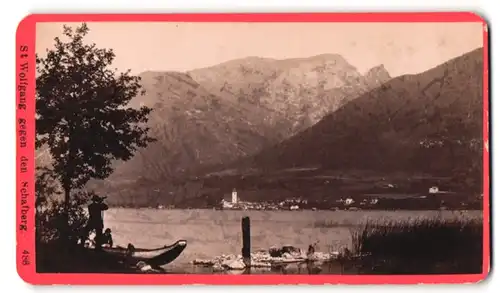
x=291, y=204
x=347, y=203
x=433, y=199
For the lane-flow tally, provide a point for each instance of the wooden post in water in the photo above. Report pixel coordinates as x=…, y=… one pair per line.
x=245, y=250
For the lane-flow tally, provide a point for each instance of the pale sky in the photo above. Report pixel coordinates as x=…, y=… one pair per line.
x=403, y=48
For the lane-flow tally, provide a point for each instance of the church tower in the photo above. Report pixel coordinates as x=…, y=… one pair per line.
x=234, y=197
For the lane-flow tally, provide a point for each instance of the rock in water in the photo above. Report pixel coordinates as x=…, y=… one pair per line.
x=236, y=264
x=320, y=256
x=275, y=252
x=287, y=249
x=217, y=267
x=266, y=259
x=290, y=249
x=206, y=262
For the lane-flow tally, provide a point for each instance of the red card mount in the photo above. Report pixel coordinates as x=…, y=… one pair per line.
x=207, y=98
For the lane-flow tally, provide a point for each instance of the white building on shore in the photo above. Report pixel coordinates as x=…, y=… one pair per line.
x=433, y=190
x=234, y=196
x=234, y=203
x=348, y=201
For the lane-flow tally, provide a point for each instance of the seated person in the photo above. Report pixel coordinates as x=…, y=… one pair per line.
x=106, y=240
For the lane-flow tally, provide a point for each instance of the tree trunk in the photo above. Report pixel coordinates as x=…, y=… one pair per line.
x=66, y=227
x=67, y=184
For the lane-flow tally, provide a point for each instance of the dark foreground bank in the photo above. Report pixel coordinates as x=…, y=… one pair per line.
x=60, y=258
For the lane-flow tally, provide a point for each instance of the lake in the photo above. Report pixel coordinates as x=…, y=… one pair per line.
x=210, y=233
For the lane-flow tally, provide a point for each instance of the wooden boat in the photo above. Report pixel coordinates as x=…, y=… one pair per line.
x=154, y=257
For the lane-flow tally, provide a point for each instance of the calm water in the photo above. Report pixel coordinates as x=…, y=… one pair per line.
x=210, y=233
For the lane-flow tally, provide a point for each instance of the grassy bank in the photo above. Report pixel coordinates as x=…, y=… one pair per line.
x=420, y=246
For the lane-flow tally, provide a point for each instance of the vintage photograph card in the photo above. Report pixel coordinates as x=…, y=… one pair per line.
x=253, y=148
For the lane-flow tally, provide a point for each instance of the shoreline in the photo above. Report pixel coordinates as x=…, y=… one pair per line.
x=299, y=210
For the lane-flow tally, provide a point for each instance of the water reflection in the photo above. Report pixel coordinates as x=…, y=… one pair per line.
x=309, y=268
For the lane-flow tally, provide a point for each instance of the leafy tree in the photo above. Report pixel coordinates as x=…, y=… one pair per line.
x=50, y=215
x=81, y=111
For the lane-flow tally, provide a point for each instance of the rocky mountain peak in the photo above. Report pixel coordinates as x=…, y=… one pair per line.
x=378, y=73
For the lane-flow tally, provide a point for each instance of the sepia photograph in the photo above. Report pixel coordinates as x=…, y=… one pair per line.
x=298, y=148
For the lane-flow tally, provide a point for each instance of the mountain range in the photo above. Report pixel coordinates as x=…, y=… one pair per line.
x=215, y=115
x=427, y=122
x=320, y=112
x=426, y=125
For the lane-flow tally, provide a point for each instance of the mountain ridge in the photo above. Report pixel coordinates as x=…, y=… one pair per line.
x=199, y=113
x=441, y=96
